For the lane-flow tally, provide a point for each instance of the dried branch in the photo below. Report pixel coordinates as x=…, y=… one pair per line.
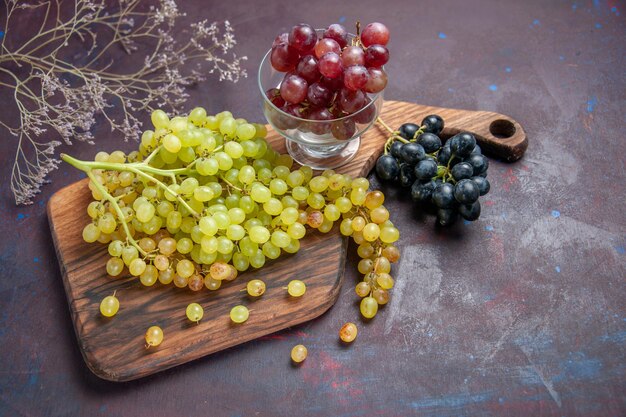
x=57, y=98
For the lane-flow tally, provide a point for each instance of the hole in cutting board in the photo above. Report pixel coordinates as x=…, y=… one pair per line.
x=502, y=128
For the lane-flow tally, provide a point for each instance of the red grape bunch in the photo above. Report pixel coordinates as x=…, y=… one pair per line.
x=328, y=78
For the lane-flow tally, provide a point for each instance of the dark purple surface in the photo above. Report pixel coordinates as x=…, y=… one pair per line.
x=519, y=313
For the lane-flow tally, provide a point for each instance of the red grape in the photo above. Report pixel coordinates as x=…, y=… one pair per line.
x=376, y=81
x=333, y=84
x=366, y=114
x=302, y=37
x=338, y=33
x=319, y=115
x=282, y=38
x=273, y=94
x=326, y=45
x=351, y=101
x=293, y=88
x=307, y=69
x=319, y=95
x=353, y=55
x=330, y=65
x=355, y=77
x=343, y=129
x=283, y=57
x=375, y=33
x=376, y=56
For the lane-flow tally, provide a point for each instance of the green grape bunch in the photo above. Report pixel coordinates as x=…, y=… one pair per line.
x=205, y=198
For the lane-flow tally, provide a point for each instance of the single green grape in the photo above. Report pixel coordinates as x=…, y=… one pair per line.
x=296, y=288
x=109, y=306
x=154, y=336
x=368, y=307
x=239, y=314
x=299, y=353
x=194, y=312
x=255, y=288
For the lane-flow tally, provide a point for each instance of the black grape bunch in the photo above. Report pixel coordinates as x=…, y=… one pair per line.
x=450, y=176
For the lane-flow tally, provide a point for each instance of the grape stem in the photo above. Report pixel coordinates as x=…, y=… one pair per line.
x=138, y=168
x=117, y=209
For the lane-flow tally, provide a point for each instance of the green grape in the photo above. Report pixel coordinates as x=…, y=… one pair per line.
x=316, y=201
x=379, y=215
x=365, y=250
x=250, y=148
x=247, y=204
x=278, y=186
x=300, y=193
x=129, y=253
x=257, y=260
x=382, y=265
x=365, y=266
x=209, y=244
x=270, y=250
x=389, y=234
x=174, y=220
x=236, y=215
x=172, y=144
x=154, y=336
x=371, y=231
x=207, y=166
x=240, y=262
x=224, y=245
x=289, y=201
x=264, y=175
x=248, y=247
x=289, y=215
x=357, y=196
x=161, y=262
x=239, y=314
x=368, y=307
x=212, y=122
x=331, y=212
x=145, y=212
x=95, y=209
x=255, y=288
x=259, y=234
x=318, y=184
x=114, y=266
x=245, y=131
x=358, y=223
x=336, y=182
x=203, y=193
x=212, y=284
x=194, y=312
x=260, y=193
x=233, y=149
x=296, y=231
x=188, y=186
x=235, y=232
x=392, y=253
x=281, y=172
x=228, y=126
x=221, y=220
x=384, y=281
x=348, y=332
x=280, y=239
x=295, y=178
x=345, y=227
x=296, y=288
x=293, y=247
x=159, y=119
x=360, y=183
x=91, y=233
x=374, y=199
x=115, y=248
x=197, y=116
x=153, y=225
x=381, y=296
x=224, y=161
x=178, y=124
x=273, y=207
x=164, y=208
x=166, y=276
x=109, y=306
x=326, y=226
x=187, y=154
x=126, y=178
x=247, y=175
x=208, y=225
x=185, y=268
x=299, y=353
x=180, y=282
x=343, y=204
x=362, y=289
x=167, y=246
x=147, y=244
x=137, y=266
x=284, y=160
x=149, y=276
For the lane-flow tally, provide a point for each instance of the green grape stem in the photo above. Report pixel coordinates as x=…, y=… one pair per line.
x=139, y=168
x=113, y=201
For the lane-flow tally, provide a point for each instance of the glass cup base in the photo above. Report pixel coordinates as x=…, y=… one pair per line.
x=323, y=157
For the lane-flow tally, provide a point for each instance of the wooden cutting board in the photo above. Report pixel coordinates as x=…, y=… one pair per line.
x=114, y=348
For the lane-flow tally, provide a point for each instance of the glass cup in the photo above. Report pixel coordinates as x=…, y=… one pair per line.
x=320, y=144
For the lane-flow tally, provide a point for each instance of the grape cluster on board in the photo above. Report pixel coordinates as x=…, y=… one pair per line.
x=205, y=198
x=328, y=77
x=449, y=176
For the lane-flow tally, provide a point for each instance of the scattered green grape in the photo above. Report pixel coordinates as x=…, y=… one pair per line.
x=296, y=288
x=154, y=336
x=194, y=312
x=299, y=353
x=239, y=314
x=109, y=306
